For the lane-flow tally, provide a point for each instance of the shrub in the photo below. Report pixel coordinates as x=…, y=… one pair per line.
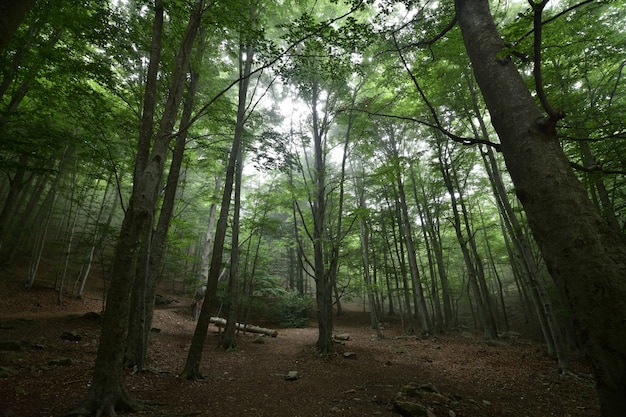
x=292, y=310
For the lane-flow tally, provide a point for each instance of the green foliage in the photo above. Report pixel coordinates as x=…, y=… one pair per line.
x=292, y=310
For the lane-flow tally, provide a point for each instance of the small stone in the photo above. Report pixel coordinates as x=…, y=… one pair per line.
x=349, y=355
x=292, y=375
x=71, y=336
x=343, y=336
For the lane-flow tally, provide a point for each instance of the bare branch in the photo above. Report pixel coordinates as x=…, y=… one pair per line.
x=437, y=125
x=553, y=18
x=459, y=139
x=596, y=169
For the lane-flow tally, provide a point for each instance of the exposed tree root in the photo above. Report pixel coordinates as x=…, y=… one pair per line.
x=107, y=407
x=195, y=375
x=568, y=372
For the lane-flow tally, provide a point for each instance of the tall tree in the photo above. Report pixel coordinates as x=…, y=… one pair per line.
x=191, y=369
x=586, y=258
x=107, y=393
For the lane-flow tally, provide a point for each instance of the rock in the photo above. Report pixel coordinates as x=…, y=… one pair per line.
x=409, y=389
x=292, y=375
x=161, y=300
x=259, y=340
x=343, y=336
x=71, y=336
x=349, y=355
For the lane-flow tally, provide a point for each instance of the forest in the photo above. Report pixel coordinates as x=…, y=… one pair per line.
x=455, y=164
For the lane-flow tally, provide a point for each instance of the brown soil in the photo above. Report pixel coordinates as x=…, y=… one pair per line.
x=473, y=378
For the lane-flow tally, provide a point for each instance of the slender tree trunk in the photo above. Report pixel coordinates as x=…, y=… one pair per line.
x=586, y=258
x=606, y=206
x=191, y=369
x=43, y=221
x=472, y=274
x=489, y=314
x=323, y=280
x=228, y=340
x=107, y=393
x=364, y=237
x=418, y=290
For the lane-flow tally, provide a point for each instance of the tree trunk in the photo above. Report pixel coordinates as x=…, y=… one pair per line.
x=586, y=258
x=228, y=337
x=107, y=392
x=365, y=251
x=323, y=280
x=191, y=369
x=148, y=277
x=488, y=325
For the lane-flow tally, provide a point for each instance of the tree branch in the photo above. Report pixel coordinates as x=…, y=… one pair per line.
x=433, y=112
x=596, y=169
x=554, y=115
x=553, y=18
x=269, y=64
x=459, y=139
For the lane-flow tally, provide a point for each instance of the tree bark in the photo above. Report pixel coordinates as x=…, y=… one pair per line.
x=586, y=258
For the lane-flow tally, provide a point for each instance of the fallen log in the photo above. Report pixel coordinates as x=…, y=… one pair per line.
x=220, y=322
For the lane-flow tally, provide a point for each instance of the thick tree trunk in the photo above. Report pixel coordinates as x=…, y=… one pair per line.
x=585, y=257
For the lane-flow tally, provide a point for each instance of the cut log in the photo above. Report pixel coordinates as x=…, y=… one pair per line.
x=220, y=322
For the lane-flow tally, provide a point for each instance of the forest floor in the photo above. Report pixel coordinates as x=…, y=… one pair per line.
x=453, y=374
